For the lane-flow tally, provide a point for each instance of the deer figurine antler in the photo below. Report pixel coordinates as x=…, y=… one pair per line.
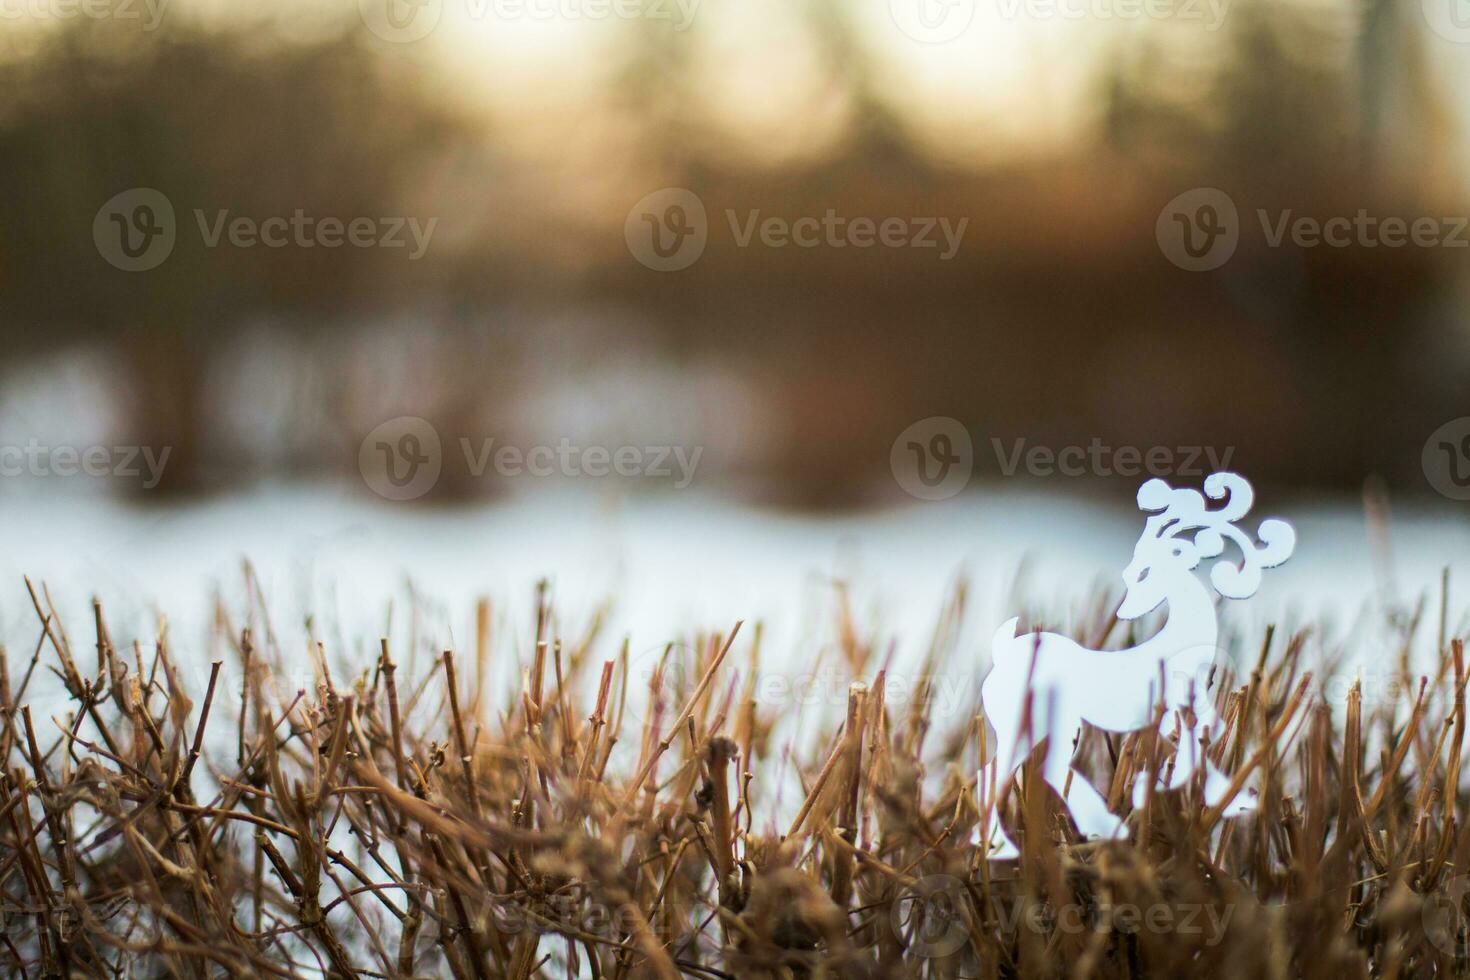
x=1043, y=686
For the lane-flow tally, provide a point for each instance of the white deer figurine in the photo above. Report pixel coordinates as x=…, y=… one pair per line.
x=1118, y=691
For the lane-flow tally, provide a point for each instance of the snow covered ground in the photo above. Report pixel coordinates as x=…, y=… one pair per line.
x=669, y=563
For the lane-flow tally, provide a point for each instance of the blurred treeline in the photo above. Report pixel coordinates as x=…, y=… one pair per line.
x=1059, y=319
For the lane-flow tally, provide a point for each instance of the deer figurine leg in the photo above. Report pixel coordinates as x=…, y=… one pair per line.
x=1216, y=782
x=1190, y=756
x=1004, y=848
x=1187, y=761
x=1088, y=807
x=1005, y=717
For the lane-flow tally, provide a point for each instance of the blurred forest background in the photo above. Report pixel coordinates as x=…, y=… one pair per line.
x=1058, y=320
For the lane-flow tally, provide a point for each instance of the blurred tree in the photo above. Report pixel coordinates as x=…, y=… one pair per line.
x=224, y=128
x=1058, y=310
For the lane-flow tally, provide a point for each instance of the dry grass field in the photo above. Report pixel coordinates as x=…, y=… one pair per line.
x=614, y=817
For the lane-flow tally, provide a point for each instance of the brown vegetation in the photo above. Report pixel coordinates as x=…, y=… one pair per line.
x=393, y=825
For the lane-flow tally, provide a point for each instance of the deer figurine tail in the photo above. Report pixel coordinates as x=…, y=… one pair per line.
x=1005, y=636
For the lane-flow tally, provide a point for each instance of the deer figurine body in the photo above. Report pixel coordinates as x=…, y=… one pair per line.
x=1043, y=686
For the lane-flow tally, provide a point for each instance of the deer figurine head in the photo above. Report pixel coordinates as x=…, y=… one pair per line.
x=1184, y=531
